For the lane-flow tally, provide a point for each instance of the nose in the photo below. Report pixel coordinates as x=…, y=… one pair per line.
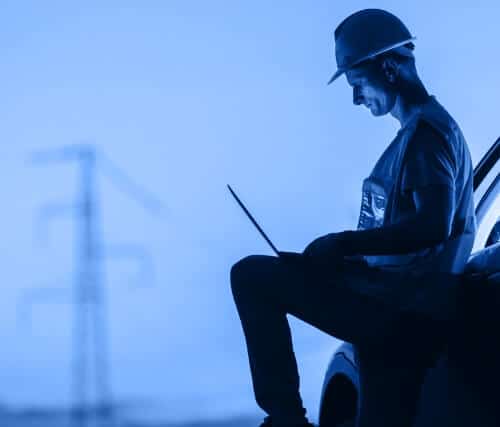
x=357, y=98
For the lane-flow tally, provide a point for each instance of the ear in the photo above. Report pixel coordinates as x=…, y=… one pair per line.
x=390, y=69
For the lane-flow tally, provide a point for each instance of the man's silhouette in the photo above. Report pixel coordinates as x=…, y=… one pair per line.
x=386, y=287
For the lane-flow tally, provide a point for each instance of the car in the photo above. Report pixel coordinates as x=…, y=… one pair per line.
x=461, y=388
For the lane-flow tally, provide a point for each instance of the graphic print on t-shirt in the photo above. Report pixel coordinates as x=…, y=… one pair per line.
x=373, y=204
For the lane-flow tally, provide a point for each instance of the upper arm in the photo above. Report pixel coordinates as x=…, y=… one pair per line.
x=430, y=160
x=428, y=176
x=434, y=207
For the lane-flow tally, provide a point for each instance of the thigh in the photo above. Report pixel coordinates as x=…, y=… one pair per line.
x=330, y=300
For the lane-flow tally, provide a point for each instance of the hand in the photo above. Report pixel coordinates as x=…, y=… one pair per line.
x=291, y=256
x=326, y=249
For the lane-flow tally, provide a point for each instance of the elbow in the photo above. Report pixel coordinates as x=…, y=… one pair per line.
x=433, y=230
x=439, y=233
x=442, y=235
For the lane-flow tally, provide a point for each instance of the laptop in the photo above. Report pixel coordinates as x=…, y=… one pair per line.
x=281, y=254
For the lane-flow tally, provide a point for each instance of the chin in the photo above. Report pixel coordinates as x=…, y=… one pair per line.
x=378, y=112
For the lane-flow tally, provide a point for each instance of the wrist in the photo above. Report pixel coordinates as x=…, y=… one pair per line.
x=348, y=243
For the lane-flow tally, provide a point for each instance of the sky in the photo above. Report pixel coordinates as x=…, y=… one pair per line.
x=187, y=96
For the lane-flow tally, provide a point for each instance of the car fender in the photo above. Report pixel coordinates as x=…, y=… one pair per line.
x=340, y=391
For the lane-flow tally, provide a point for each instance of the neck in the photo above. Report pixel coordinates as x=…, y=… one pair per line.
x=411, y=96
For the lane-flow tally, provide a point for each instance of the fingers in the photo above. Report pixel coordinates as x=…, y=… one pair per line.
x=322, y=246
x=315, y=247
x=291, y=256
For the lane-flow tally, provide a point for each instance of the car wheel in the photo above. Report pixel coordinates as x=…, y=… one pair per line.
x=339, y=408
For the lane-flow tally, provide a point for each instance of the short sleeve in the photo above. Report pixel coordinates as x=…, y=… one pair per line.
x=429, y=160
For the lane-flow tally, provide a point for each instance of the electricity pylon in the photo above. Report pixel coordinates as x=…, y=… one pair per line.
x=90, y=373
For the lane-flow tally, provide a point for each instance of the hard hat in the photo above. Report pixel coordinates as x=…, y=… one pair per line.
x=366, y=34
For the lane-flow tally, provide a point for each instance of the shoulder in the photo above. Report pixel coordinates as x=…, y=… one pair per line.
x=426, y=138
x=426, y=130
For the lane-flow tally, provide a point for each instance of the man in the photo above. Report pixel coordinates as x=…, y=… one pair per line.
x=388, y=286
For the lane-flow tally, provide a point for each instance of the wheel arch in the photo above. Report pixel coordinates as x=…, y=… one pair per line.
x=340, y=392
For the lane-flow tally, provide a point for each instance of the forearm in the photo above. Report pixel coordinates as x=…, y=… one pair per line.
x=404, y=237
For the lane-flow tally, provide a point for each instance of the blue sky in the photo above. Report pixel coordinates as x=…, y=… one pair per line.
x=186, y=97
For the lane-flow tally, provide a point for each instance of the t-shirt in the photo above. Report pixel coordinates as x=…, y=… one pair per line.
x=410, y=162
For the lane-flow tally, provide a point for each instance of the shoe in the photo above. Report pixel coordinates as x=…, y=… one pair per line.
x=268, y=423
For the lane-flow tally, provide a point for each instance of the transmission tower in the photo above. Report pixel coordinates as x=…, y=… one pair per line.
x=91, y=391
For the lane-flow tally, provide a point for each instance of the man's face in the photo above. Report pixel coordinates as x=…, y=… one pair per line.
x=371, y=89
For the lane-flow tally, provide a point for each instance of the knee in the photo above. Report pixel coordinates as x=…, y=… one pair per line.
x=242, y=273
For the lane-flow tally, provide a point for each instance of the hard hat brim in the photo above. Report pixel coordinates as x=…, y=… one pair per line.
x=398, y=47
x=337, y=74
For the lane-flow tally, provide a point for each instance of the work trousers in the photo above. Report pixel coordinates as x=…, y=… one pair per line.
x=394, y=347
